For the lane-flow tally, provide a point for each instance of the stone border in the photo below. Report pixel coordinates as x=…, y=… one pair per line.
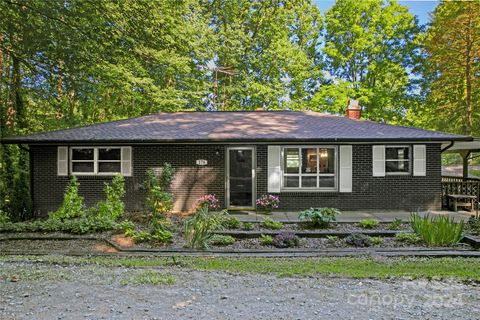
x=337, y=252
x=240, y=234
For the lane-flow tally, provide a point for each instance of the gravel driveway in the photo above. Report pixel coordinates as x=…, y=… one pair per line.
x=95, y=292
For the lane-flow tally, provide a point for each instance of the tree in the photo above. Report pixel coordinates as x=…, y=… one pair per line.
x=452, y=73
x=265, y=53
x=370, y=49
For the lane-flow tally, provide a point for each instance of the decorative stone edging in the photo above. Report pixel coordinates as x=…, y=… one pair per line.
x=334, y=252
x=308, y=234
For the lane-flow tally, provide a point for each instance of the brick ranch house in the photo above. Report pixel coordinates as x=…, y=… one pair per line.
x=309, y=159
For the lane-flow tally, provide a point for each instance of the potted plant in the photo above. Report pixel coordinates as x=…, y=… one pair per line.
x=266, y=203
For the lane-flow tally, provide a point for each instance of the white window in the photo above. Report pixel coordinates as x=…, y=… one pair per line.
x=397, y=160
x=95, y=160
x=309, y=167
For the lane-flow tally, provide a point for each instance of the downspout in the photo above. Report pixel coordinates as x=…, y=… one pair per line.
x=448, y=147
x=30, y=169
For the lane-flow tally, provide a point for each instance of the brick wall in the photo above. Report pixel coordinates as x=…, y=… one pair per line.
x=390, y=192
x=192, y=181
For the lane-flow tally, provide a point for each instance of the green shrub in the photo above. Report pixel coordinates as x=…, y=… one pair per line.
x=230, y=222
x=141, y=236
x=474, y=225
x=72, y=206
x=408, y=237
x=319, y=217
x=368, y=223
x=376, y=241
x=125, y=225
x=157, y=199
x=247, y=226
x=358, y=240
x=438, y=230
x=113, y=207
x=286, y=239
x=395, y=224
x=198, y=229
x=266, y=240
x=161, y=236
x=221, y=240
x=271, y=224
x=77, y=226
x=4, y=218
x=332, y=239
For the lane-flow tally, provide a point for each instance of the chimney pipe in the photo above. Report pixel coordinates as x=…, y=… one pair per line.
x=353, y=110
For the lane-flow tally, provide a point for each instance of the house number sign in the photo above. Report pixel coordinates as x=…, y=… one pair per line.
x=202, y=162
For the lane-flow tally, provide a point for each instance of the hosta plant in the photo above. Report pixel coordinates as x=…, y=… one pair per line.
x=319, y=217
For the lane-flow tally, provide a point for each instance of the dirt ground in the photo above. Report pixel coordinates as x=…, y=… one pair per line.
x=37, y=290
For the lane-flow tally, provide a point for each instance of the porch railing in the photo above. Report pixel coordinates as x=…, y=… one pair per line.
x=459, y=185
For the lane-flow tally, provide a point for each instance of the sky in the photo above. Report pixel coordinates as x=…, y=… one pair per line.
x=420, y=8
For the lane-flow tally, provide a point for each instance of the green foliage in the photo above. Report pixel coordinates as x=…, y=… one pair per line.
x=247, y=226
x=14, y=178
x=271, y=224
x=113, y=207
x=198, y=229
x=139, y=236
x=474, y=225
x=358, y=240
x=4, y=218
x=161, y=236
x=332, y=239
x=230, y=222
x=408, y=237
x=76, y=226
x=437, y=231
x=166, y=176
x=286, y=239
x=451, y=78
x=221, y=240
x=160, y=231
x=72, y=206
x=266, y=240
x=370, y=49
x=319, y=217
x=125, y=226
x=157, y=199
x=368, y=223
x=376, y=241
x=395, y=224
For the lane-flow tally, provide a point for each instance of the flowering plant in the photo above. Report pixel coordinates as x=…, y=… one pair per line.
x=209, y=200
x=268, y=202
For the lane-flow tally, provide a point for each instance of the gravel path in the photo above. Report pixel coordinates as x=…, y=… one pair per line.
x=95, y=292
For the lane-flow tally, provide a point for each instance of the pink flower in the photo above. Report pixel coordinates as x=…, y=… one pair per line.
x=209, y=200
x=268, y=201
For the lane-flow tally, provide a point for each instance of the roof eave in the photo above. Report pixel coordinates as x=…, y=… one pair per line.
x=233, y=140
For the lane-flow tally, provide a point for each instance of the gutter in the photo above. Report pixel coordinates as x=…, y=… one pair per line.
x=234, y=140
x=448, y=147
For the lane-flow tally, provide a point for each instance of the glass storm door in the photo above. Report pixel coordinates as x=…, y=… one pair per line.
x=240, y=177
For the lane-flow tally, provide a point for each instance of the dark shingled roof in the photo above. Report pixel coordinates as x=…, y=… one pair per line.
x=286, y=126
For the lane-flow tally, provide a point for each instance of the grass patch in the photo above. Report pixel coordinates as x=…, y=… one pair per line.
x=457, y=268
x=149, y=278
x=349, y=267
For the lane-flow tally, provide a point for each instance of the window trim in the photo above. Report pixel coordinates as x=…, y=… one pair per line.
x=95, y=161
x=300, y=174
x=399, y=173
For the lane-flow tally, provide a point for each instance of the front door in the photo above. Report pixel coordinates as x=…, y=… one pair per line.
x=241, y=177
